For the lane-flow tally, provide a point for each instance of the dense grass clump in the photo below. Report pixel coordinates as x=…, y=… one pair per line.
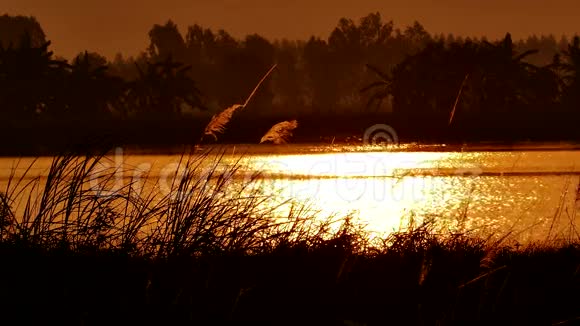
x=210, y=250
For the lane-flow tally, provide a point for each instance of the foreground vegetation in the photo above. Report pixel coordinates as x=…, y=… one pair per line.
x=208, y=249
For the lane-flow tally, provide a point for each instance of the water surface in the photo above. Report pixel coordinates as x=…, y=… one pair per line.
x=530, y=193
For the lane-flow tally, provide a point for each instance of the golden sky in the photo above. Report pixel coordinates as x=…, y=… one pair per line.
x=111, y=26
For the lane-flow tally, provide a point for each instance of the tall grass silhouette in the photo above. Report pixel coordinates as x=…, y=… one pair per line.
x=79, y=203
x=209, y=248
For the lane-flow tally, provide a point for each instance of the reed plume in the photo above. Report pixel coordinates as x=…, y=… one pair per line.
x=280, y=133
x=218, y=122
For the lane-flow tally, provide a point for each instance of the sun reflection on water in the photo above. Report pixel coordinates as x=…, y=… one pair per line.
x=386, y=189
x=373, y=186
x=480, y=192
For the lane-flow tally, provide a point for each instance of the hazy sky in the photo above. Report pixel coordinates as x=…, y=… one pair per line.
x=111, y=26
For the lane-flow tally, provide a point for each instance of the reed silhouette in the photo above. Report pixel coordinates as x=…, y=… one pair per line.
x=209, y=251
x=280, y=133
x=219, y=121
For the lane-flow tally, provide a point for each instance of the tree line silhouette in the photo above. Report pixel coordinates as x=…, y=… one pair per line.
x=369, y=70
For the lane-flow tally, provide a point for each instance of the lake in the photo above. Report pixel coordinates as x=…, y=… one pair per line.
x=528, y=193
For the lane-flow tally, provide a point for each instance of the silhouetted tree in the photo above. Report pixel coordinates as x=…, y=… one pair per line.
x=288, y=86
x=91, y=91
x=380, y=89
x=29, y=79
x=14, y=28
x=499, y=87
x=571, y=75
x=414, y=77
x=163, y=88
x=166, y=41
x=257, y=58
x=320, y=68
x=200, y=42
x=124, y=68
x=227, y=83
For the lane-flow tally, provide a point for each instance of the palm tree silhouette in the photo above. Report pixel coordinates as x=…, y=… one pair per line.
x=164, y=87
x=570, y=68
x=382, y=88
x=93, y=92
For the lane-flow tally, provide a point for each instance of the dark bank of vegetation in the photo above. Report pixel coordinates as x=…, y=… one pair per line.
x=510, y=90
x=89, y=254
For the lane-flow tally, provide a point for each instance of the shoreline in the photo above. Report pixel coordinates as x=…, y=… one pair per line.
x=302, y=148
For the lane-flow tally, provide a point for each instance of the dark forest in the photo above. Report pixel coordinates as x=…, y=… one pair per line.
x=367, y=71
